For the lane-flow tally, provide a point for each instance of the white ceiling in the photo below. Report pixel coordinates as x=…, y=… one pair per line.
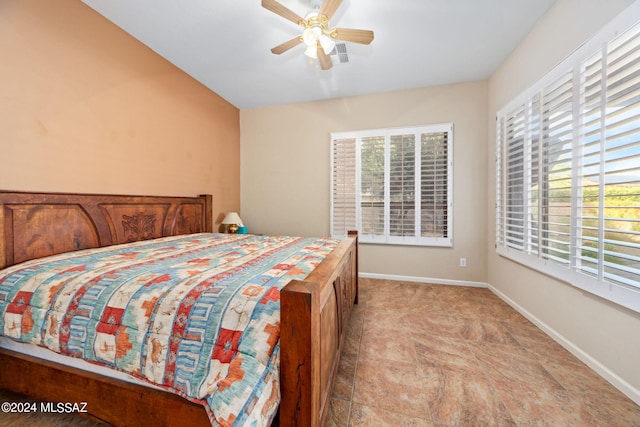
x=225, y=44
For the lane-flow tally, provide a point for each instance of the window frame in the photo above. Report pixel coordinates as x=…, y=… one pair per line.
x=357, y=222
x=572, y=271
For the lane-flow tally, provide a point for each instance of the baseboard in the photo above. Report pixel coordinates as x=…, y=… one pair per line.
x=615, y=380
x=431, y=280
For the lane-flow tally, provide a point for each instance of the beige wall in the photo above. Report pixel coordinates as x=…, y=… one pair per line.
x=84, y=107
x=285, y=172
x=606, y=336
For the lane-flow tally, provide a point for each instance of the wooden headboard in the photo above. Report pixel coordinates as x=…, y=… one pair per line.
x=34, y=225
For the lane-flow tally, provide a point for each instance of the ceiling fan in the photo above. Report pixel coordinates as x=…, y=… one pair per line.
x=317, y=35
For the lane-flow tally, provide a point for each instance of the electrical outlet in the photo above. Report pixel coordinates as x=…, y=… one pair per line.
x=463, y=262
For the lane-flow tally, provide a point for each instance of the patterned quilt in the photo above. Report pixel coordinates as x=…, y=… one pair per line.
x=197, y=315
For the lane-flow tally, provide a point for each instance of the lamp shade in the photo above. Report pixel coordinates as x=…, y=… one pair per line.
x=232, y=218
x=309, y=37
x=327, y=44
x=312, y=52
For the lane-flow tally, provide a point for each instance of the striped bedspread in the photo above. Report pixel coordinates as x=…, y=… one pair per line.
x=197, y=315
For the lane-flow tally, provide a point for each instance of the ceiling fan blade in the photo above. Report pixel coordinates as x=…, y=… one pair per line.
x=279, y=9
x=351, y=35
x=329, y=7
x=324, y=59
x=282, y=48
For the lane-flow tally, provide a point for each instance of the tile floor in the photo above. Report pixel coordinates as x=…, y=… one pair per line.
x=433, y=355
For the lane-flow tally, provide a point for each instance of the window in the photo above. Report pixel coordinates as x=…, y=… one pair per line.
x=568, y=170
x=393, y=185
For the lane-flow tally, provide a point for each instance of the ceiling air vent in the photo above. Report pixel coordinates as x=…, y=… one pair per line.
x=341, y=52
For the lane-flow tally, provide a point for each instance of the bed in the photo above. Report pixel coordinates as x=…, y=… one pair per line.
x=314, y=311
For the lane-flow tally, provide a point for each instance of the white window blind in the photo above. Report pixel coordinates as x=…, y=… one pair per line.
x=393, y=185
x=568, y=169
x=344, y=184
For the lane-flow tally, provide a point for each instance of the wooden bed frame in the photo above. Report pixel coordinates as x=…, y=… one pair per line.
x=314, y=312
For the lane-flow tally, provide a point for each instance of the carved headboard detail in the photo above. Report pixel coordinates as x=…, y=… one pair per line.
x=139, y=227
x=34, y=225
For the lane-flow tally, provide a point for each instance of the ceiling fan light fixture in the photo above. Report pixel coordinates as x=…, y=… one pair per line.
x=311, y=52
x=311, y=35
x=327, y=44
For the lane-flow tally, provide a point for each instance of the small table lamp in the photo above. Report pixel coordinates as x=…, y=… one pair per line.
x=232, y=221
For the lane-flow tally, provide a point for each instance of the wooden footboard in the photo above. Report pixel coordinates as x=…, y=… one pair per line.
x=111, y=401
x=314, y=312
x=314, y=318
